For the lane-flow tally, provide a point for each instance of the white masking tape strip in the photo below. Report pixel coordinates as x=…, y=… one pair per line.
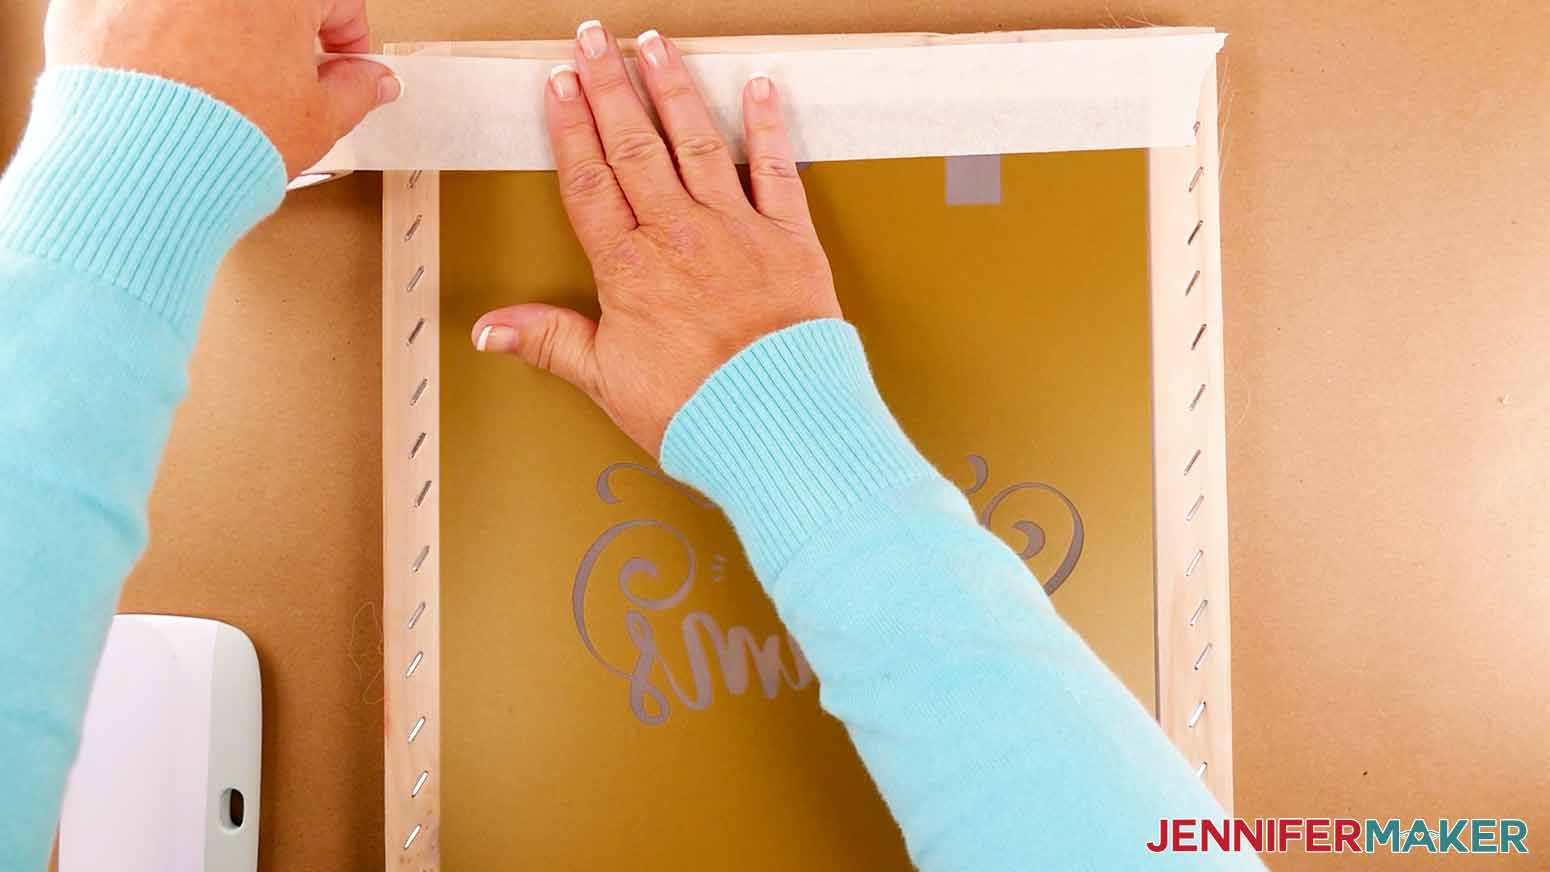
x=1061, y=94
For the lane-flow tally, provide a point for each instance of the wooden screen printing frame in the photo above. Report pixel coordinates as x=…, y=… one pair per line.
x=1189, y=511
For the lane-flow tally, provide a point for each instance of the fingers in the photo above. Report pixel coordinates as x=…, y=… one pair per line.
x=351, y=88
x=701, y=153
x=772, y=171
x=637, y=154
x=344, y=29
x=549, y=337
x=593, y=200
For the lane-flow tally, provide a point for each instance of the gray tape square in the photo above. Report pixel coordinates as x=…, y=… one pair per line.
x=973, y=179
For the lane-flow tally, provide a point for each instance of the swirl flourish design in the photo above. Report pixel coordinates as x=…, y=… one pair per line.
x=1033, y=534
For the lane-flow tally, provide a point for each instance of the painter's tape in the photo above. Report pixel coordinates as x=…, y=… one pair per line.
x=313, y=178
x=1134, y=89
x=973, y=180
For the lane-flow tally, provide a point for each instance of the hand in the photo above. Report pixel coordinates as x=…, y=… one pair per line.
x=258, y=56
x=688, y=271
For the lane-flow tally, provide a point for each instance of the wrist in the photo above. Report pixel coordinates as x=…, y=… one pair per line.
x=138, y=181
x=788, y=435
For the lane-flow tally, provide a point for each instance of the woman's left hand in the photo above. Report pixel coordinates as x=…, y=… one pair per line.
x=257, y=56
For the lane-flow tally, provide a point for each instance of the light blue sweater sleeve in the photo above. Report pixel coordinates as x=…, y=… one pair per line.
x=122, y=198
x=996, y=736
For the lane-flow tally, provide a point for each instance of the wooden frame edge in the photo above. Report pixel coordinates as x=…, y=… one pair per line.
x=411, y=516
x=1193, y=632
x=562, y=49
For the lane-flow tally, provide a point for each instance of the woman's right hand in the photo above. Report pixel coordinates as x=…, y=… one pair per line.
x=689, y=271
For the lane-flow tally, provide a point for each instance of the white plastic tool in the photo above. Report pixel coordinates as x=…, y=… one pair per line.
x=168, y=775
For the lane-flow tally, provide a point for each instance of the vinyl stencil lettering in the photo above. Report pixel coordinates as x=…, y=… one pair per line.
x=734, y=653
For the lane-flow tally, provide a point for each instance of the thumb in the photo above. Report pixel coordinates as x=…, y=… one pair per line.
x=353, y=87
x=549, y=337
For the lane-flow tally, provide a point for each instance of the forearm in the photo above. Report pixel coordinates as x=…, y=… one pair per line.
x=997, y=737
x=123, y=196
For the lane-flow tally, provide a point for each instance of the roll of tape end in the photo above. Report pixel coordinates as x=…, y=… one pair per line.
x=310, y=180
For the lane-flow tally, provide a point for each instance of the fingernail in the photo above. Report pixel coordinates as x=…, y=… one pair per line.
x=496, y=338
x=593, y=39
x=389, y=88
x=652, y=48
x=563, y=79
x=759, y=86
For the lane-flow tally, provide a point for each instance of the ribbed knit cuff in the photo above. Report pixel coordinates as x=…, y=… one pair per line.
x=788, y=435
x=139, y=182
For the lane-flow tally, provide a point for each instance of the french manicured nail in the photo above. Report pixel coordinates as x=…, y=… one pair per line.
x=593, y=39
x=389, y=88
x=652, y=48
x=564, y=82
x=496, y=338
x=759, y=87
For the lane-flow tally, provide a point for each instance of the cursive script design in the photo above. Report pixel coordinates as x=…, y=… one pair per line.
x=702, y=637
x=777, y=661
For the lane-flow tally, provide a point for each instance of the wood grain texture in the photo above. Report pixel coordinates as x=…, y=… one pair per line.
x=1194, y=638
x=561, y=49
x=411, y=517
x=1384, y=263
x=411, y=605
